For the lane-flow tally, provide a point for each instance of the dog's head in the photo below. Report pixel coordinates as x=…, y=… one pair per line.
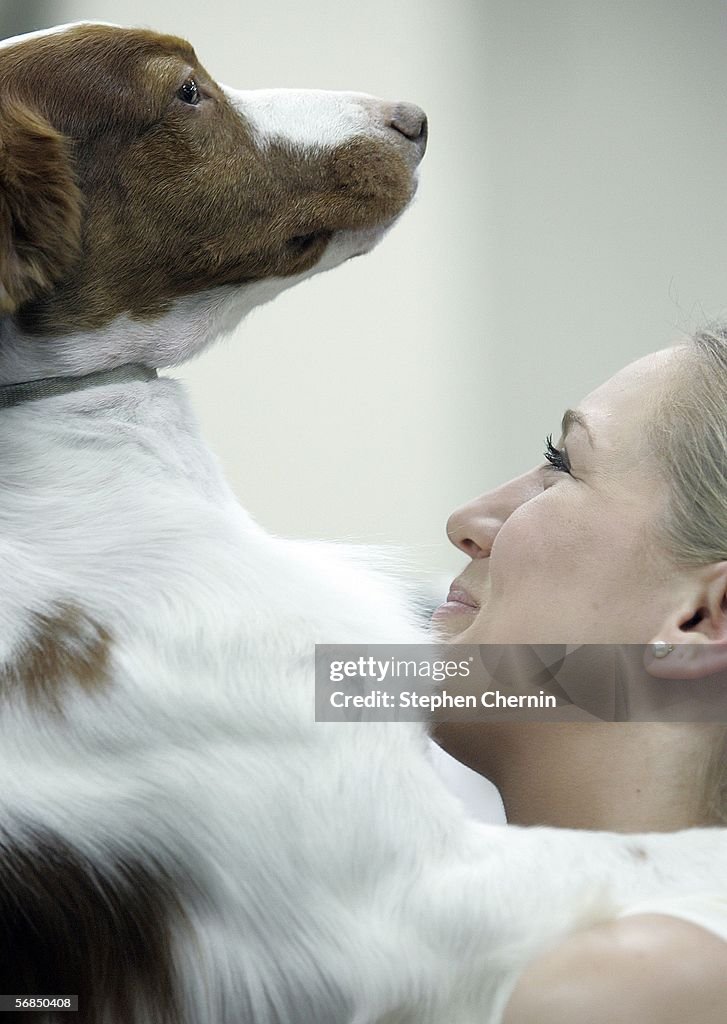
x=130, y=179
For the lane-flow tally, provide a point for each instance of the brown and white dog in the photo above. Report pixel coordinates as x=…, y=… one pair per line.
x=180, y=843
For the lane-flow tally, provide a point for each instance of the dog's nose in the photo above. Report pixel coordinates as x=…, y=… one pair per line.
x=411, y=121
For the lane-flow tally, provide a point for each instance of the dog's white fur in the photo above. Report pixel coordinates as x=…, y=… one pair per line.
x=331, y=877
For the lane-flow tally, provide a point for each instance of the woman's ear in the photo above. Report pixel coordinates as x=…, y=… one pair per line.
x=40, y=206
x=696, y=633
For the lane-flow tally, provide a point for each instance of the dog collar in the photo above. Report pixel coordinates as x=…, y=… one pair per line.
x=32, y=390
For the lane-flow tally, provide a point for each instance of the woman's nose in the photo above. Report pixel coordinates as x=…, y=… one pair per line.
x=473, y=527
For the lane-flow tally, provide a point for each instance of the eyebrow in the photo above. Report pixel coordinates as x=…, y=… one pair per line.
x=571, y=417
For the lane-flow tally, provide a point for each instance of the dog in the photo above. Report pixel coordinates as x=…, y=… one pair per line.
x=180, y=841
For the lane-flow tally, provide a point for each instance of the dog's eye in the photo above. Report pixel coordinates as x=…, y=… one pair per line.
x=190, y=93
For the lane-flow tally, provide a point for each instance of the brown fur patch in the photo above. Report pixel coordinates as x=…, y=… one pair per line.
x=40, y=206
x=179, y=198
x=68, y=927
x=67, y=648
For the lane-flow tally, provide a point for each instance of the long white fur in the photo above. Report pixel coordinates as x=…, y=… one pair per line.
x=338, y=881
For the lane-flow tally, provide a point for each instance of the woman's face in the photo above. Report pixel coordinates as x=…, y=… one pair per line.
x=562, y=556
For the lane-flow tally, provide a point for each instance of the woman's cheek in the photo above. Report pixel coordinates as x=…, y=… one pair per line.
x=518, y=555
x=537, y=546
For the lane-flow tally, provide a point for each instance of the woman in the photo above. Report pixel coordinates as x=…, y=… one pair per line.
x=620, y=537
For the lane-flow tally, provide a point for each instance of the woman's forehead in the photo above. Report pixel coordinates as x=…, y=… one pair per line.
x=631, y=391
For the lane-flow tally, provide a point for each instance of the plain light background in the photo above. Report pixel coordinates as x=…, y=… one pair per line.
x=571, y=217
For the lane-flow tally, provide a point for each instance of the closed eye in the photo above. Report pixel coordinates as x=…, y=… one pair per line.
x=558, y=458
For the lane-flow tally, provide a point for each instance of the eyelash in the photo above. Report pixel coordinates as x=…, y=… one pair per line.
x=558, y=459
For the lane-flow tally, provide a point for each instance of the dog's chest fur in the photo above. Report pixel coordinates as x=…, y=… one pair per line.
x=157, y=712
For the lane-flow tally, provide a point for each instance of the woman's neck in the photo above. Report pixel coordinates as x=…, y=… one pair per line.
x=620, y=777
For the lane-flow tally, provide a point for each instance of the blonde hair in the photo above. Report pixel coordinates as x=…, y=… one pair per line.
x=688, y=432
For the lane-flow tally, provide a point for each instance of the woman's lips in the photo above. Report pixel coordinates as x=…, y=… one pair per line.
x=458, y=602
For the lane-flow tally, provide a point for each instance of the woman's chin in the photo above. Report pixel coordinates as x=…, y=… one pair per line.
x=451, y=620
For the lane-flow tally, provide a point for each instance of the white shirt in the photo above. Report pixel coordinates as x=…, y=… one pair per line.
x=708, y=910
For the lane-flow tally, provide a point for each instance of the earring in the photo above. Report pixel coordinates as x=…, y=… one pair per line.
x=661, y=648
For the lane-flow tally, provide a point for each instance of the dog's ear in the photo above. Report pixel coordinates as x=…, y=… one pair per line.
x=40, y=206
